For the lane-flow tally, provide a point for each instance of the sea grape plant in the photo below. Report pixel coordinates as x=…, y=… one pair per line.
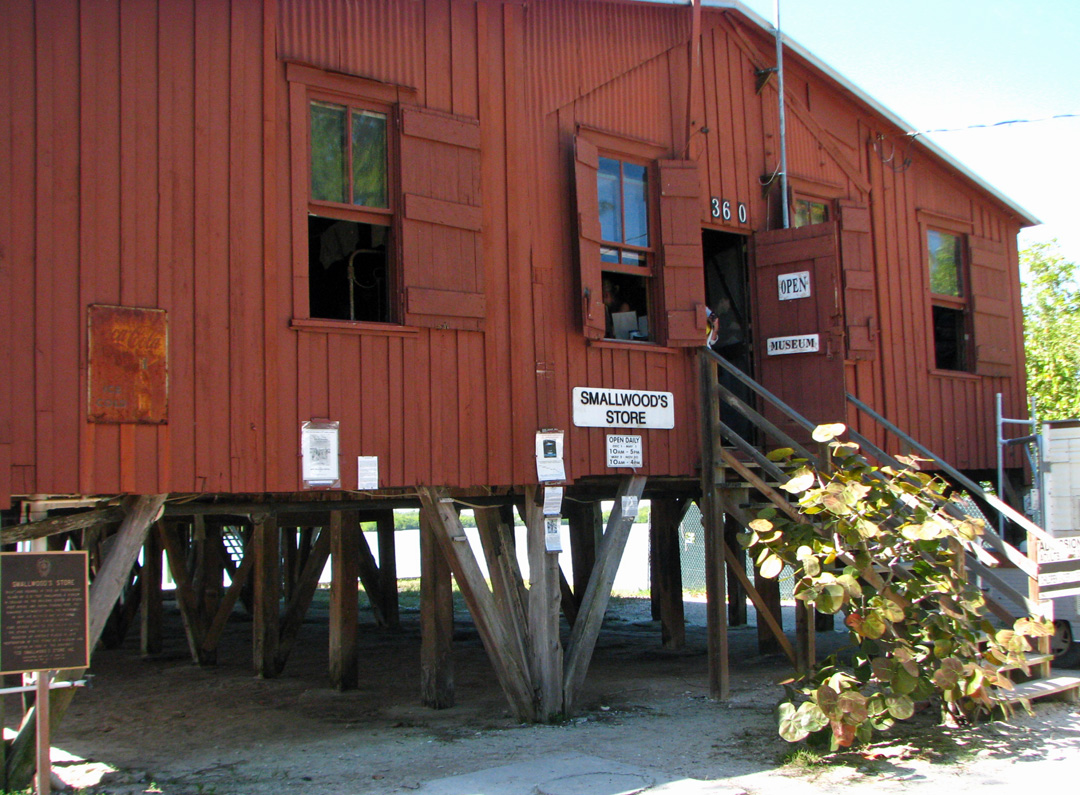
x=880, y=545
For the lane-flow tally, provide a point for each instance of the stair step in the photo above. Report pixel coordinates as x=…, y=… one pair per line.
x=1039, y=688
x=1032, y=660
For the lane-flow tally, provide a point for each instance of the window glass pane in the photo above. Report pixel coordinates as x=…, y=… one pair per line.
x=944, y=263
x=633, y=258
x=328, y=176
x=819, y=213
x=800, y=216
x=607, y=188
x=608, y=254
x=635, y=194
x=369, y=158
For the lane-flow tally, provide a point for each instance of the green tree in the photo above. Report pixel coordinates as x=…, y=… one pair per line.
x=1052, y=331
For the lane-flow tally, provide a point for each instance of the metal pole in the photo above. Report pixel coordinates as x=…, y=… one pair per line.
x=1000, y=460
x=785, y=211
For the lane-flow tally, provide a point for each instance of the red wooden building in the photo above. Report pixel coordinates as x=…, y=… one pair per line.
x=430, y=222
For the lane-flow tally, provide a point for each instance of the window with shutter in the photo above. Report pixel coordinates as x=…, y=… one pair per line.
x=386, y=202
x=639, y=242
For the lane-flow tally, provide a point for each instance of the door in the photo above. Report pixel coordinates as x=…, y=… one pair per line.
x=799, y=323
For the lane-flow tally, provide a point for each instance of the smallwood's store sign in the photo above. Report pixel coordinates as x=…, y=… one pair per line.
x=623, y=408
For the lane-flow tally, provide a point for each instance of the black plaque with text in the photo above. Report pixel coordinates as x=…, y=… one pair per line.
x=43, y=611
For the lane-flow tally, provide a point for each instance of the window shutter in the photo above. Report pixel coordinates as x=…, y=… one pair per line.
x=993, y=315
x=680, y=236
x=586, y=166
x=860, y=291
x=442, y=273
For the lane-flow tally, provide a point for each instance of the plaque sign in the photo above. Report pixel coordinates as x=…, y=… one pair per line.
x=43, y=611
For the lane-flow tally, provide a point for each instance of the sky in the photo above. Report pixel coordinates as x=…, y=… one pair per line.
x=944, y=64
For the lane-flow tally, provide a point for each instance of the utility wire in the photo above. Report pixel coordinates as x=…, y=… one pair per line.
x=915, y=133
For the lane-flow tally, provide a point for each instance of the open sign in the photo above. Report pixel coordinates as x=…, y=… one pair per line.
x=793, y=285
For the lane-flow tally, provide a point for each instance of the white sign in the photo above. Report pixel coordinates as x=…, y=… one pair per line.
x=629, y=507
x=803, y=343
x=623, y=408
x=624, y=451
x=793, y=285
x=549, y=456
x=367, y=472
x=553, y=500
x=552, y=539
x=319, y=454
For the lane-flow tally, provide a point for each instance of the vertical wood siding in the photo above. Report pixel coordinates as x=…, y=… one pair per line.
x=145, y=160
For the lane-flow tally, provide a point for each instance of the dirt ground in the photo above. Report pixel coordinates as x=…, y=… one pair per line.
x=166, y=726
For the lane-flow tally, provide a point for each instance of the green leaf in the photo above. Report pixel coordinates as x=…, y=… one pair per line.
x=826, y=433
x=904, y=683
x=873, y=626
x=771, y=567
x=900, y=707
x=780, y=454
x=831, y=598
x=802, y=480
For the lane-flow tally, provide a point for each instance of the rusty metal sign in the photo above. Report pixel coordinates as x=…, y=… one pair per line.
x=129, y=373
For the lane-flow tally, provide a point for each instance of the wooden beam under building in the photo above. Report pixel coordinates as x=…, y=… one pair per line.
x=436, y=620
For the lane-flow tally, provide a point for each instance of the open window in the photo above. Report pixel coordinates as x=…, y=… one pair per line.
x=639, y=242
x=376, y=238
x=949, y=299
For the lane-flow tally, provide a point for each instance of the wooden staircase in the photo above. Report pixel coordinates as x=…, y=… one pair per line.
x=734, y=466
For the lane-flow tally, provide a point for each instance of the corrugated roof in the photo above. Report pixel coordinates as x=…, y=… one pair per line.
x=732, y=5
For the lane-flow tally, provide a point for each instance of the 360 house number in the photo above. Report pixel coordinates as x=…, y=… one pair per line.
x=721, y=208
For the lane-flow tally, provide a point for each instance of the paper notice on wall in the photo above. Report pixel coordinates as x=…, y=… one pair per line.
x=319, y=455
x=629, y=506
x=367, y=472
x=549, y=456
x=553, y=496
x=552, y=533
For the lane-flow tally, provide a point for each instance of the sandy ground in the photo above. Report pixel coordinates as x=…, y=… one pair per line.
x=166, y=726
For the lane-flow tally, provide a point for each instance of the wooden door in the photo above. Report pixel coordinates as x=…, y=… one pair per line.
x=799, y=322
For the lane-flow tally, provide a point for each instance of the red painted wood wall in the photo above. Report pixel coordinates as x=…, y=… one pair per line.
x=145, y=161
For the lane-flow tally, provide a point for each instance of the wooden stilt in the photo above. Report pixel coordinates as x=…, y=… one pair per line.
x=586, y=531
x=170, y=534
x=150, y=640
x=240, y=577
x=308, y=582
x=436, y=621
x=805, y=637
x=507, y=585
x=598, y=592
x=667, y=515
x=737, y=615
x=140, y=513
x=266, y=596
x=345, y=543
x=769, y=589
x=290, y=559
x=546, y=662
x=368, y=570
x=716, y=596
x=495, y=629
x=388, y=569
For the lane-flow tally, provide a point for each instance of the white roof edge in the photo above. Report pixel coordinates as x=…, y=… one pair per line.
x=1026, y=217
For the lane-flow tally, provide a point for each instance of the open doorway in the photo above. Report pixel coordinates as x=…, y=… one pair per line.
x=727, y=293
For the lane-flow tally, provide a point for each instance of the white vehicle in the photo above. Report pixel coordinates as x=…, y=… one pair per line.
x=1061, y=517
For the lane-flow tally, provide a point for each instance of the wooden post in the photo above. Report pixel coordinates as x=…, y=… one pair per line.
x=368, y=570
x=769, y=589
x=344, y=567
x=296, y=608
x=436, y=621
x=546, y=661
x=150, y=641
x=266, y=597
x=737, y=616
x=598, y=592
x=495, y=630
x=667, y=514
x=507, y=586
x=805, y=638
x=586, y=531
x=388, y=569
